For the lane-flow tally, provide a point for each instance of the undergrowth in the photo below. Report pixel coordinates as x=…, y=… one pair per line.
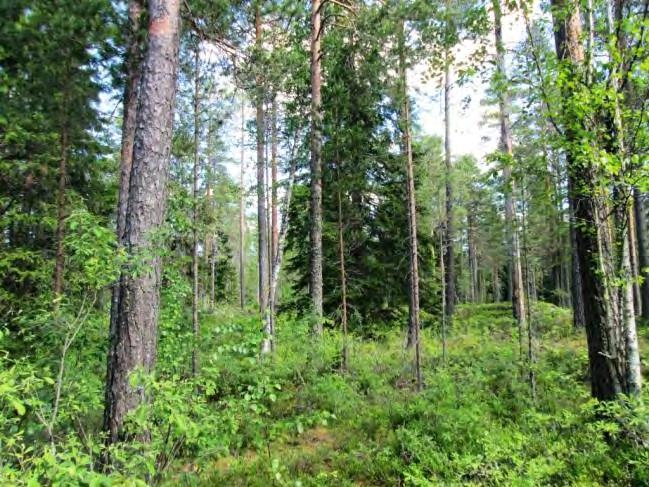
x=295, y=418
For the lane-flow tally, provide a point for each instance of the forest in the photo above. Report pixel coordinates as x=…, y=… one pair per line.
x=324, y=243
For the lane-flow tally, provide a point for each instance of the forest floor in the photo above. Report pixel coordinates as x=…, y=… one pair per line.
x=298, y=420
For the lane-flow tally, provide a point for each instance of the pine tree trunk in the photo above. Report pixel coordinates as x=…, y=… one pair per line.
x=413, y=308
x=131, y=92
x=262, y=229
x=449, y=245
x=516, y=281
x=195, y=296
x=242, y=213
x=135, y=344
x=131, y=89
x=316, y=167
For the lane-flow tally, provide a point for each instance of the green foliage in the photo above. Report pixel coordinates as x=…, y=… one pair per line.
x=296, y=418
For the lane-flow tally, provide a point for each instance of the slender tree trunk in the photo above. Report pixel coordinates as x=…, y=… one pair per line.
x=242, y=212
x=639, y=205
x=531, y=294
x=61, y=210
x=268, y=343
x=343, y=283
x=135, y=344
x=195, y=296
x=215, y=254
x=442, y=272
x=634, y=262
x=506, y=148
x=413, y=325
x=496, y=283
x=269, y=207
x=210, y=233
x=473, y=255
x=316, y=167
x=273, y=175
x=262, y=228
x=449, y=245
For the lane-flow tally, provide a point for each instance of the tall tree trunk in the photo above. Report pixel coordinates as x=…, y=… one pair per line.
x=215, y=254
x=531, y=295
x=242, y=211
x=473, y=255
x=624, y=222
x=495, y=276
x=343, y=283
x=413, y=308
x=195, y=296
x=131, y=92
x=449, y=246
x=262, y=228
x=269, y=203
x=639, y=206
x=210, y=233
x=135, y=342
x=316, y=167
x=578, y=317
x=506, y=148
x=273, y=177
x=268, y=343
x=634, y=262
x=61, y=210
x=610, y=327
x=442, y=272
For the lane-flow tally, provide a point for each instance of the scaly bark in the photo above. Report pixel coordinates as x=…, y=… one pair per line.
x=131, y=91
x=135, y=344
